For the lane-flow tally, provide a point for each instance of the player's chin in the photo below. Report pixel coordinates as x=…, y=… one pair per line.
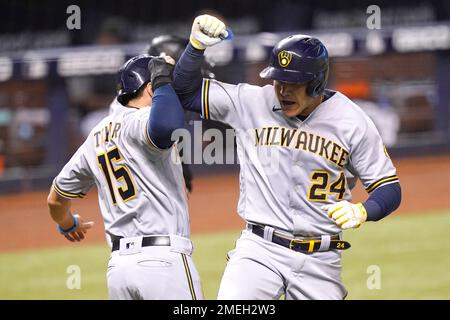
x=291, y=111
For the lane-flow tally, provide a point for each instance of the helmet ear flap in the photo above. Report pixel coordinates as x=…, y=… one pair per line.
x=317, y=85
x=312, y=88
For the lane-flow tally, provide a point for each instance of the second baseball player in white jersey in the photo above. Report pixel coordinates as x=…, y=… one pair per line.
x=140, y=189
x=301, y=149
x=319, y=159
x=318, y=162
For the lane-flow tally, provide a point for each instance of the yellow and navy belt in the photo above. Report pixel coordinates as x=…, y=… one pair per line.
x=304, y=245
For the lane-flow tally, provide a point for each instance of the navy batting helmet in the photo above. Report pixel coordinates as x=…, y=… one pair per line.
x=299, y=59
x=132, y=76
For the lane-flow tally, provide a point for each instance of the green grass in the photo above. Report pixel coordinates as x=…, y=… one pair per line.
x=42, y=274
x=412, y=253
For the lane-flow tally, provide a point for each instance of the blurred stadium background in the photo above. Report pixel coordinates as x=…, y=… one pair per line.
x=55, y=84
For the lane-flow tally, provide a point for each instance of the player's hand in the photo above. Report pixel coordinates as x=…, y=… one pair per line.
x=207, y=31
x=346, y=214
x=81, y=229
x=167, y=58
x=161, y=70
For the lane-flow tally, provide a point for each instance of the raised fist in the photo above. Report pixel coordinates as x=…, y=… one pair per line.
x=207, y=31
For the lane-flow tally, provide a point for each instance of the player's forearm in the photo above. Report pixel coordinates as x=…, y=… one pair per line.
x=59, y=209
x=187, y=79
x=187, y=69
x=166, y=116
x=383, y=201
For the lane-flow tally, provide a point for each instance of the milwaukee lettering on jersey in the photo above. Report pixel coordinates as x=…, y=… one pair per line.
x=298, y=139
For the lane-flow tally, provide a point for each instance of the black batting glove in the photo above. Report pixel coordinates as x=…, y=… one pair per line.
x=160, y=71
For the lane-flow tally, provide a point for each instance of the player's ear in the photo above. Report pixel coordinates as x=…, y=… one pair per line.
x=149, y=89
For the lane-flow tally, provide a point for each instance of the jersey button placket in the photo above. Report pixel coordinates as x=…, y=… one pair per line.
x=299, y=185
x=291, y=189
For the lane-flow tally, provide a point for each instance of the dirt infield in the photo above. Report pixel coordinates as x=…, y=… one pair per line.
x=25, y=223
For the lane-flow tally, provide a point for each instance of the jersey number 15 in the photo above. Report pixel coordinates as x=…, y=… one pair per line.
x=120, y=173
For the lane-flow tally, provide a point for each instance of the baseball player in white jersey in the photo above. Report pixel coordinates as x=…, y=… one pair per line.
x=319, y=143
x=173, y=46
x=140, y=189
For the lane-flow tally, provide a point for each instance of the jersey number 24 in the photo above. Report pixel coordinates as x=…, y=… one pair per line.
x=321, y=188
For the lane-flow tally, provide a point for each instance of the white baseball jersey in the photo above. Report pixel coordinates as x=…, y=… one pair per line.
x=290, y=168
x=140, y=188
x=114, y=105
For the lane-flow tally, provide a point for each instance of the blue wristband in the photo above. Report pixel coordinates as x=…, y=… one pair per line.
x=71, y=229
